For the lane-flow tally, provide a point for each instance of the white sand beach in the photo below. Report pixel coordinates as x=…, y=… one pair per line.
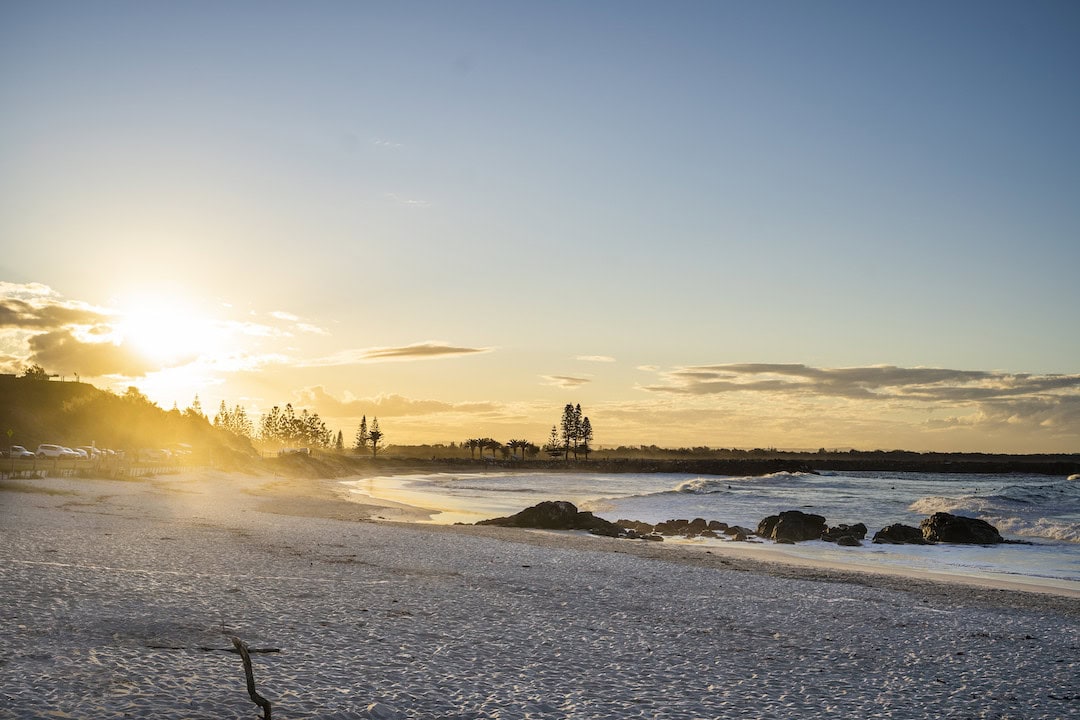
x=118, y=598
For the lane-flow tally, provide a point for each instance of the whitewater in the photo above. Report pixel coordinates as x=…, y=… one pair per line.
x=1039, y=514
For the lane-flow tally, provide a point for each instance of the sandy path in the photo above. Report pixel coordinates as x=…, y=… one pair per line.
x=108, y=594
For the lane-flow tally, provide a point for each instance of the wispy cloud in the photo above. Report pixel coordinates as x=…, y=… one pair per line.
x=984, y=398
x=297, y=323
x=384, y=143
x=406, y=202
x=596, y=358
x=565, y=381
x=430, y=350
x=882, y=382
x=390, y=405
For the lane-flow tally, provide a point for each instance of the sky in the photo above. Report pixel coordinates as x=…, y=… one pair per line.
x=733, y=224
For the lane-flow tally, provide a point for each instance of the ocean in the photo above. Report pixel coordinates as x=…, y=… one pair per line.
x=1041, y=512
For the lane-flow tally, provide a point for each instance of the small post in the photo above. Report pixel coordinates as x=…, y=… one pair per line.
x=249, y=674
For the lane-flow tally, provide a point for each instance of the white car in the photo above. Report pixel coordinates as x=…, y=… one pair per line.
x=18, y=452
x=91, y=452
x=55, y=451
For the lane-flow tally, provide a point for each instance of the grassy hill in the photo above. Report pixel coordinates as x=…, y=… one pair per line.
x=34, y=411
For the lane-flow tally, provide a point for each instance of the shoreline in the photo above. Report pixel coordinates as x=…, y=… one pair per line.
x=758, y=558
x=327, y=499
x=120, y=596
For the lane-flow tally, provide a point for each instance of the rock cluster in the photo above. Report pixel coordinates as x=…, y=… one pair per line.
x=899, y=534
x=698, y=527
x=791, y=526
x=557, y=515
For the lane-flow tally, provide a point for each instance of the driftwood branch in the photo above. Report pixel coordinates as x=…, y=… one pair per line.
x=249, y=673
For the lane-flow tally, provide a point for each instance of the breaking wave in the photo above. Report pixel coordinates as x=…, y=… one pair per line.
x=710, y=485
x=1049, y=511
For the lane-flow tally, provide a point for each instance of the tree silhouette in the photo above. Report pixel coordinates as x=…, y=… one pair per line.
x=569, y=427
x=492, y=445
x=35, y=372
x=586, y=436
x=195, y=409
x=514, y=445
x=553, y=447
x=473, y=444
x=235, y=421
x=362, y=436
x=375, y=435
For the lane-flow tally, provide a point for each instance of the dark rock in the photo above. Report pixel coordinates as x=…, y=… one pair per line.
x=653, y=537
x=793, y=525
x=943, y=527
x=737, y=536
x=557, y=515
x=857, y=531
x=708, y=534
x=848, y=541
x=899, y=534
x=717, y=525
x=642, y=528
x=737, y=530
x=697, y=525
x=672, y=527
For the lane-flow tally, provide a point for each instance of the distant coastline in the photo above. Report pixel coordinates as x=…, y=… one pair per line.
x=334, y=465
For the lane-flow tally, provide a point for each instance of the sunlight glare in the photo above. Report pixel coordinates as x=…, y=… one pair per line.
x=167, y=330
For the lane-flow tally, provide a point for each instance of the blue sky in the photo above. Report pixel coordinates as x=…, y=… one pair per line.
x=665, y=186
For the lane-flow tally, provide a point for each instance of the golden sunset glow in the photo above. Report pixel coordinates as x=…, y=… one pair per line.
x=705, y=223
x=167, y=330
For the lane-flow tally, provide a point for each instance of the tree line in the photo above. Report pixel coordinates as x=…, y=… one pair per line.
x=286, y=427
x=572, y=435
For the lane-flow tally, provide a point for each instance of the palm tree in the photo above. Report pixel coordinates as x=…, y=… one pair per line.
x=492, y=445
x=515, y=444
x=472, y=444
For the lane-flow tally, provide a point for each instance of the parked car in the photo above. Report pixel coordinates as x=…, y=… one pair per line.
x=55, y=451
x=154, y=455
x=18, y=452
x=91, y=452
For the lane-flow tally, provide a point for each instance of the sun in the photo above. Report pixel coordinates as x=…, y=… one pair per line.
x=168, y=330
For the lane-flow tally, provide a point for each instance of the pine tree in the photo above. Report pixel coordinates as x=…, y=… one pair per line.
x=577, y=428
x=240, y=424
x=269, y=426
x=362, y=435
x=195, y=409
x=586, y=436
x=339, y=442
x=375, y=435
x=568, y=426
x=553, y=447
